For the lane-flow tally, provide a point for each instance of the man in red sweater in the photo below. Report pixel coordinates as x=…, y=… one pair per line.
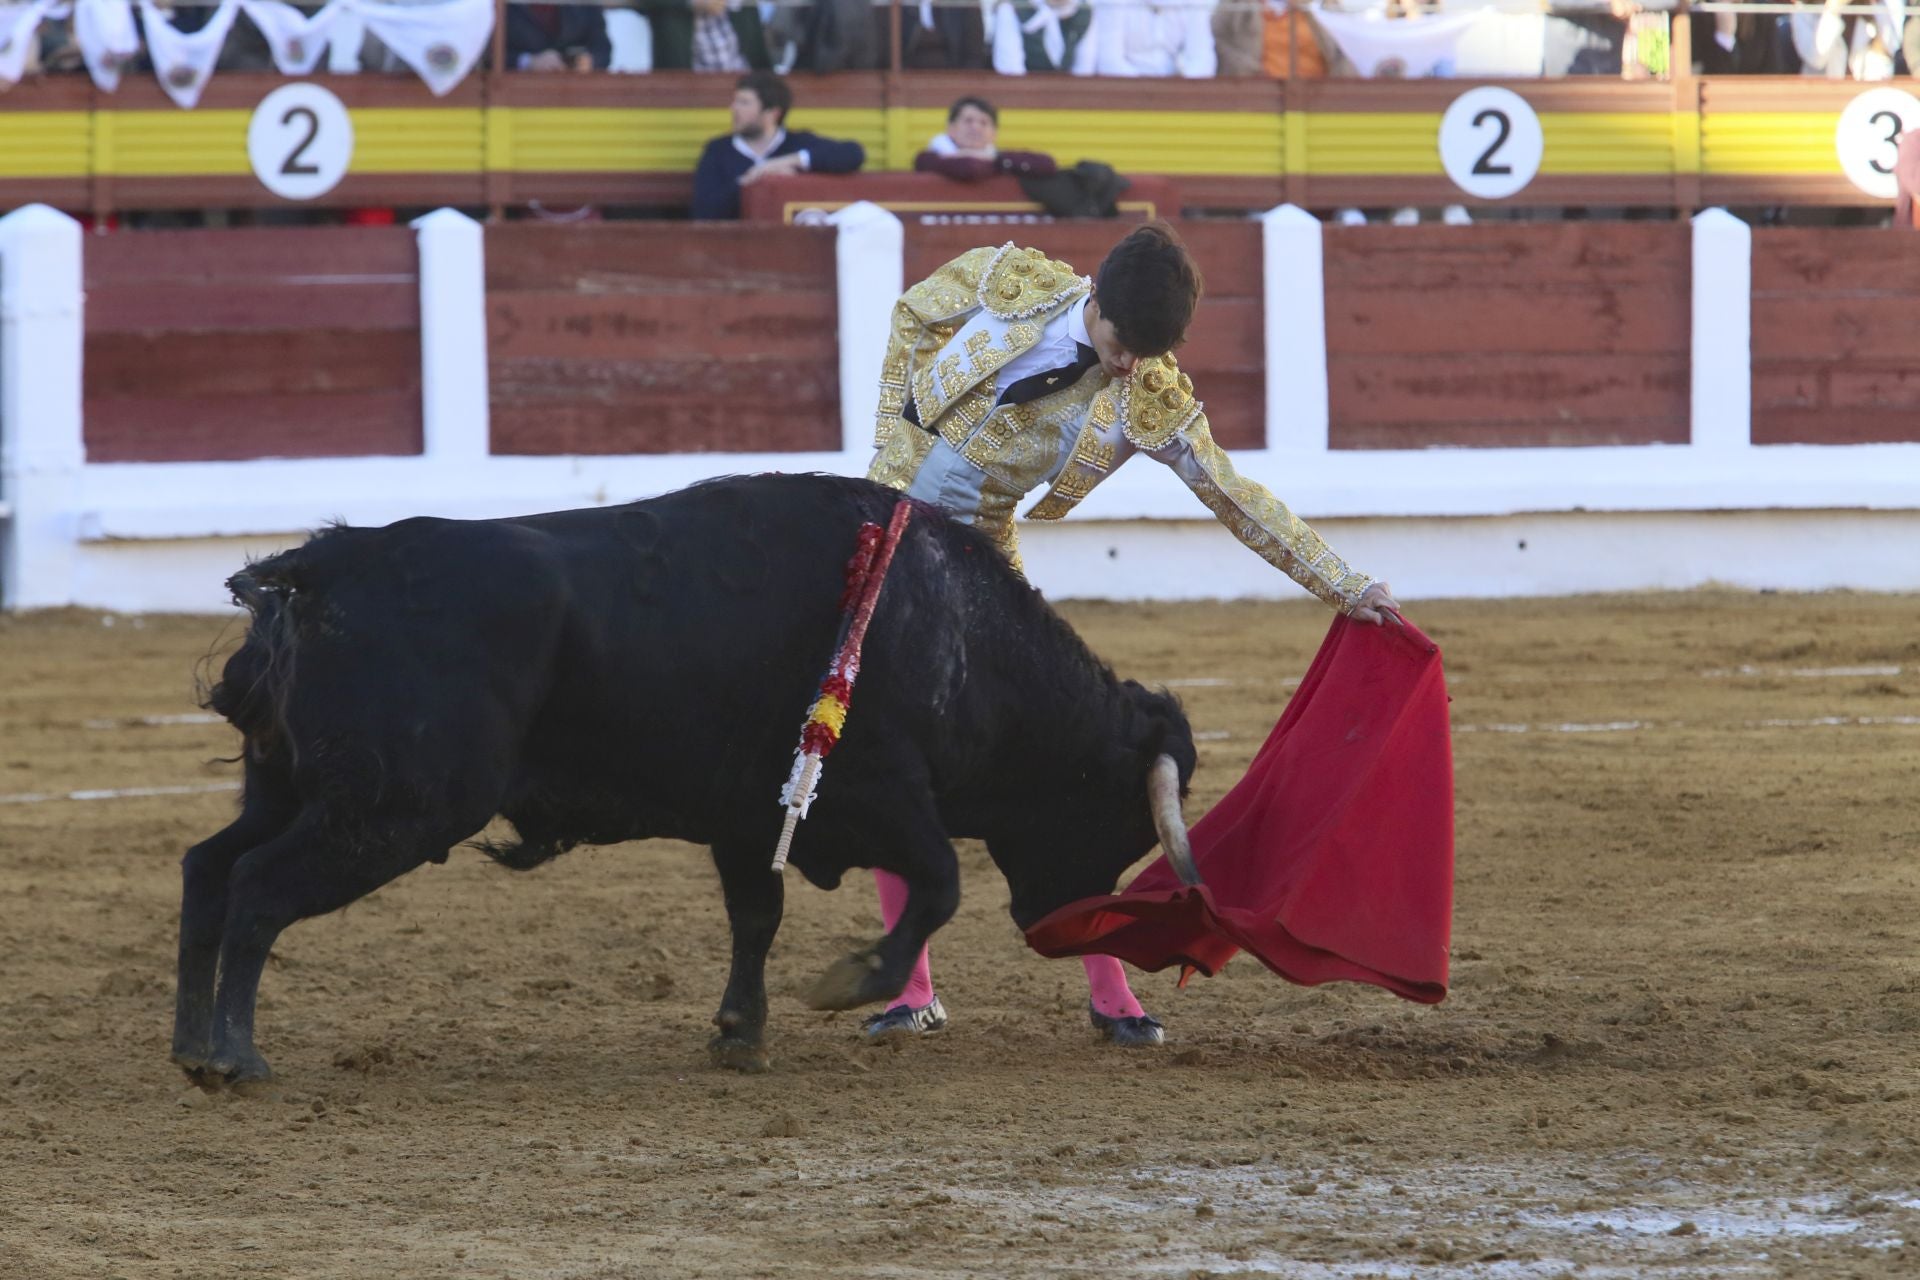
x=967, y=151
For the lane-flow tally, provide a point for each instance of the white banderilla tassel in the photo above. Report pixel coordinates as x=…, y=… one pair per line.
x=799, y=799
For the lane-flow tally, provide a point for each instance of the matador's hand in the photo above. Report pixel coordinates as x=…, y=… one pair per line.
x=1377, y=605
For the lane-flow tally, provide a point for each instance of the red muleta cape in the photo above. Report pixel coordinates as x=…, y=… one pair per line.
x=1332, y=859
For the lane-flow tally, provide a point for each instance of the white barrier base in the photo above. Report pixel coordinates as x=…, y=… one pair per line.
x=1493, y=556
x=1523, y=555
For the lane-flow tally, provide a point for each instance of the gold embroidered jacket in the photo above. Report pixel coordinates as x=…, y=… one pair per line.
x=951, y=335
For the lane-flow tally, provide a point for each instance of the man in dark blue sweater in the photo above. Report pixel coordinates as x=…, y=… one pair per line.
x=760, y=147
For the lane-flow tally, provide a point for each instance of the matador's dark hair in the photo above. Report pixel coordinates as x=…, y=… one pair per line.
x=1148, y=287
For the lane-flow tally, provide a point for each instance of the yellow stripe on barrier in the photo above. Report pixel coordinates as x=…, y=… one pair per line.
x=159, y=144
x=45, y=144
x=1233, y=143
x=1403, y=144
x=1769, y=142
x=1607, y=142
x=418, y=140
x=1361, y=143
x=636, y=139
x=599, y=139
x=207, y=142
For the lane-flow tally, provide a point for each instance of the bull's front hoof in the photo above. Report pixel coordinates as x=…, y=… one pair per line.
x=738, y=1055
x=242, y=1067
x=192, y=1059
x=849, y=982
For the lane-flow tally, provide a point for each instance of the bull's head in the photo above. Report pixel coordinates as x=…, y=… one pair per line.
x=1087, y=819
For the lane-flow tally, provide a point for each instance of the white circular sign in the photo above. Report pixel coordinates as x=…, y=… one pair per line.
x=300, y=141
x=1490, y=142
x=1868, y=134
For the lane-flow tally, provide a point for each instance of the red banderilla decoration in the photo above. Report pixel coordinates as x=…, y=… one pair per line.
x=827, y=719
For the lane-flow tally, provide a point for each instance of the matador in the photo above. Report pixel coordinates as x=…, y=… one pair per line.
x=1007, y=371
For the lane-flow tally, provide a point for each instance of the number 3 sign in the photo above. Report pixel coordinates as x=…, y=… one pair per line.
x=1869, y=134
x=300, y=141
x=1490, y=142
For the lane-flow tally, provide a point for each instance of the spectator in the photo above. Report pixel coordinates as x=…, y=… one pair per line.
x=947, y=37
x=59, y=51
x=1833, y=44
x=1036, y=37
x=706, y=35
x=761, y=147
x=834, y=35
x=1739, y=44
x=968, y=151
x=1263, y=39
x=1135, y=38
x=557, y=37
x=1588, y=37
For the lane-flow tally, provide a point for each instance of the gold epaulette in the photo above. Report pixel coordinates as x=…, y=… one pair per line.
x=1157, y=402
x=1020, y=283
x=953, y=289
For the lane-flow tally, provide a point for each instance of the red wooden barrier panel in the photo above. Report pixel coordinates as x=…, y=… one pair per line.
x=1226, y=348
x=917, y=197
x=1836, y=336
x=662, y=338
x=1576, y=334
x=285, y=342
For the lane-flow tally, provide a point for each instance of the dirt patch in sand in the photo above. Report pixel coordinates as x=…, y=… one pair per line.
x=1681, y=1038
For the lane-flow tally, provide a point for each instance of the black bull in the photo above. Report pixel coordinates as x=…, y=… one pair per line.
x=619, y=673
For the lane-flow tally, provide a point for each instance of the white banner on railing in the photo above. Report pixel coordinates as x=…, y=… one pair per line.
x=440, y=41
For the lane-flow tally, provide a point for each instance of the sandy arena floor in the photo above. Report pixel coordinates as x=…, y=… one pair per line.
x=1684, y=1039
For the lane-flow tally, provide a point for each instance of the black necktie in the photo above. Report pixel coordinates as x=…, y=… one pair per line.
x=1035, y=385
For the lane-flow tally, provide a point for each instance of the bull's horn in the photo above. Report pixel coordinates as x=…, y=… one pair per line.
x=1163, y=794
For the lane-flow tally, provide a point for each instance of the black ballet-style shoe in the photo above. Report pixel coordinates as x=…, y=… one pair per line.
x=1143, y=1032
x=906, y=1020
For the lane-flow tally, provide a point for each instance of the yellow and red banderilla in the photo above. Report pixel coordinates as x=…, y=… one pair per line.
x=827, y=720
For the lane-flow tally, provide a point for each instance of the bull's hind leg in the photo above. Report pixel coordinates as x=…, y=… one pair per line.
x=914, y=847
x=264, y=814
x=756, y=897
x=312, y=868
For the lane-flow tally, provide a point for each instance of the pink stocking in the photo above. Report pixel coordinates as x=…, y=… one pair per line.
x=893, y=901
x=1107, y=985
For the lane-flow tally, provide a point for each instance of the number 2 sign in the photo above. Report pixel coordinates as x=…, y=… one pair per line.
x=300, y=141
x=1869, y=134
x=1490, y=142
